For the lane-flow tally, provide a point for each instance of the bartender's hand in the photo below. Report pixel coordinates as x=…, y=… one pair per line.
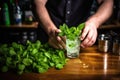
x=55, y=40
x=89, y=34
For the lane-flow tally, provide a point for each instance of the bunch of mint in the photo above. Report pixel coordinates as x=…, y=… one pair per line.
x=32, y=57
x=72, y=32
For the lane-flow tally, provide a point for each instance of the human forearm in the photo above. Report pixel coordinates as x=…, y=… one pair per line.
x=43, y=15
x=89, y=33
x=103, y=12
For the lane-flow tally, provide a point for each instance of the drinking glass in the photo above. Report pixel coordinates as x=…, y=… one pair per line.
x=73, y=47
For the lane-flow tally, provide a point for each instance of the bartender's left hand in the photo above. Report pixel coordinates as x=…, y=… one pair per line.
x=56, y=41
x=89, y=34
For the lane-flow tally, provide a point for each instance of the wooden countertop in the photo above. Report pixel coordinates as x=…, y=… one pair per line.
x=91, y=65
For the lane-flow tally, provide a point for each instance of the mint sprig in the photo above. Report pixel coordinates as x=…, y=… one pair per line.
x=72, y=32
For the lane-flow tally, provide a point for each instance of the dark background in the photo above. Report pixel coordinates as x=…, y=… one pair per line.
x=8, y=35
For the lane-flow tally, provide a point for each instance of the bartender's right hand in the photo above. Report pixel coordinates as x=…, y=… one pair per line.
x=55, y=40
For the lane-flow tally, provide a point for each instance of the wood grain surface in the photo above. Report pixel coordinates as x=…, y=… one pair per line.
x=91, y=65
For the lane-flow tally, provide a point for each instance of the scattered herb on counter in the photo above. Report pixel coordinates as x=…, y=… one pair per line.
x=32, y=57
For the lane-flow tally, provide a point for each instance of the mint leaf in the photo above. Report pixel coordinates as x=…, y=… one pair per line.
x=72, y=32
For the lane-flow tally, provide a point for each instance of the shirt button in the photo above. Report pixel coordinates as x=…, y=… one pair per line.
x=69, y=2
x=66, y=21
x=68, y=12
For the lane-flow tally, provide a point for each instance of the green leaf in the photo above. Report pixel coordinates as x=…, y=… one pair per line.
x=59, y=66
x=41, y=69
x=51, y=64
x=27, y=62
x=12, y=52
x=38, y=44
x=34, y=51
x=48, y=55
x=25, y=53
x=81, y=26
x=4, y=69
x=14, y=45
x=21, y=67
x=8, y=61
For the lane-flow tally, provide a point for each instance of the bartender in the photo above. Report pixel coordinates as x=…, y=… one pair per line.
x=53, y=13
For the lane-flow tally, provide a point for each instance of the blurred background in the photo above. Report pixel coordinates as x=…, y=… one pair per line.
x=24, y=9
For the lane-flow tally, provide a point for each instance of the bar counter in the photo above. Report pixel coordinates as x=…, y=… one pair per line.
x=91, y=65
